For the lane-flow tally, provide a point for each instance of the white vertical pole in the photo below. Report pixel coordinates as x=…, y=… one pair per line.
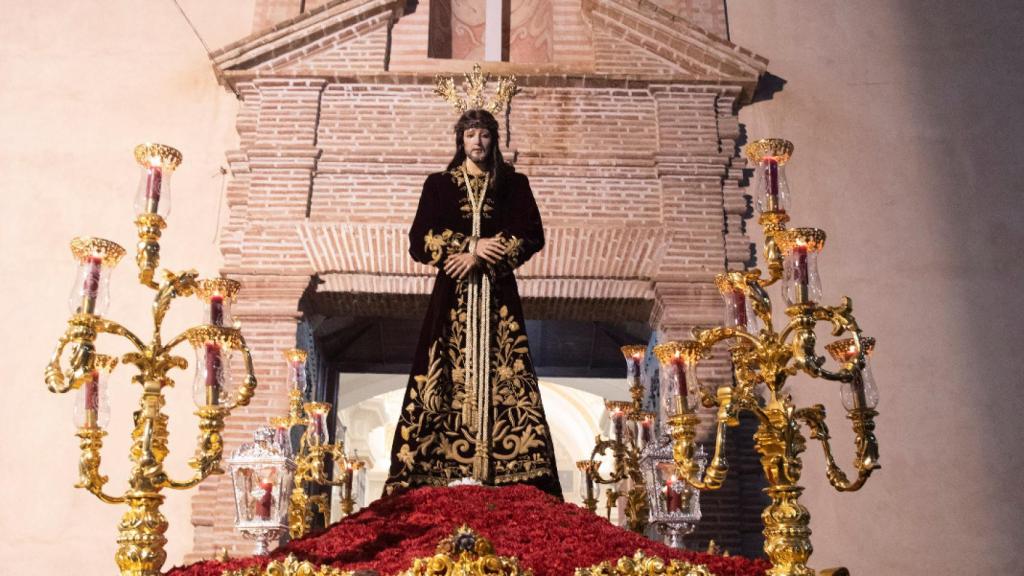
x=492, y=31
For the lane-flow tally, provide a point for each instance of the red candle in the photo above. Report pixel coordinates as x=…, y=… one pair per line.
x=266, y=502
x=214, y=374
x=647, y=430
x=772, y=173
x=800, y=273
x=634, y=365
x=298, y=375
x=739, y=300
x=349, y=472
x=618, y=423
x=680, y=379
x=281, y=438
x=154, y=178
x=318, y=430
x=92, y=400
x=673, y=499
x=91, y=285
x=217, y=310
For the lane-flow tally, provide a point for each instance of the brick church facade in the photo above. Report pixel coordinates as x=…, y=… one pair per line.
x=626, y=126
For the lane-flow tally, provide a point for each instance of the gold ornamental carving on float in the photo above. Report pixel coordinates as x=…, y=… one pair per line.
x=466, y=553
x=290, y=566
x=640, y=564
x=463, y=553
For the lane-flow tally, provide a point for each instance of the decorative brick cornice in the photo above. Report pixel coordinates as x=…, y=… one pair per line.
x=528, y=75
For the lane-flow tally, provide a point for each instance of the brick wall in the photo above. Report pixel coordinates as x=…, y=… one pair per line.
x=628, y=136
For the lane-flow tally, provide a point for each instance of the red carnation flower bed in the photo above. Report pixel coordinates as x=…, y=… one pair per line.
x=549, y=537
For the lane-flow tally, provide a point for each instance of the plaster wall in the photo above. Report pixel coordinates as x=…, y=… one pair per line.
x=84, y=82
x=904, y=116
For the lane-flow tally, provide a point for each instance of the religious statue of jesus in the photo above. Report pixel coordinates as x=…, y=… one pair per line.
x=472, y=408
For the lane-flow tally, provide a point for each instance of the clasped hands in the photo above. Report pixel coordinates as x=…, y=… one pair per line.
x=489, y=250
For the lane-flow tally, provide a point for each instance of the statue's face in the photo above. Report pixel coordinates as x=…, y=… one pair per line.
x=477, y=142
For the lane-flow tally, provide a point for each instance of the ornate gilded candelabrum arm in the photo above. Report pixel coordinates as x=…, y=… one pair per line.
x=860, y=396
x=620, y=463
x=311, y=468
x=859, y=392
x=141, y=532
x=587, y=489
x=626, y=467
x=626, y=478
x=678, y=364
x=296, y=359
x=764, y=358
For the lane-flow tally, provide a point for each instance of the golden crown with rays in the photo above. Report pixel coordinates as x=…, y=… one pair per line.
x=474, y=87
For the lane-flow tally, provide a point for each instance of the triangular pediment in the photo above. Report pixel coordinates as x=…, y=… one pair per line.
x=314, y=39
x=641, y=38
x=629, y=39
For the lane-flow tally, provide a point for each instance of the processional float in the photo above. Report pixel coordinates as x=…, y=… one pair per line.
x=654, y=488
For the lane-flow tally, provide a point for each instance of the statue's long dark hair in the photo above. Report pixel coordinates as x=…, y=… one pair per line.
x=480, y=119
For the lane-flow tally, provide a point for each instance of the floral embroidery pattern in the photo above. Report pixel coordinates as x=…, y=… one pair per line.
x=465, y=207
x=438, y=444
x=440, y=245
x=519, y=439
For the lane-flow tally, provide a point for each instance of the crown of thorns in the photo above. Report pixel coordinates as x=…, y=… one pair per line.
x=474, y=87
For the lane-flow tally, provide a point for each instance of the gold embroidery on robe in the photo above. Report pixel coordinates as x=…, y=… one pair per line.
x=441, y=426
x=444, y=243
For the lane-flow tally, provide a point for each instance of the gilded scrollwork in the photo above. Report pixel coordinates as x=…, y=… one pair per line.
x=290, y=566
x=465, y=553
x=640, y=564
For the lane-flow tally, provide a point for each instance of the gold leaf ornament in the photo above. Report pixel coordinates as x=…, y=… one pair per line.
x=466, y=553
x=290, y=566
x=641, y=564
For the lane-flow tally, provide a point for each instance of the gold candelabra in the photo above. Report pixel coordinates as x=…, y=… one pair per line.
x=763, y=360
x=314, y=449
x=626, y=478
x=141, y=531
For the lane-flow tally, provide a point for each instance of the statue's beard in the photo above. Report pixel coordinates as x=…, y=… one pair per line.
x=479, y=157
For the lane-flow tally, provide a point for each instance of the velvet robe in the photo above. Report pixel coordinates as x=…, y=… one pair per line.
x=437, y=435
